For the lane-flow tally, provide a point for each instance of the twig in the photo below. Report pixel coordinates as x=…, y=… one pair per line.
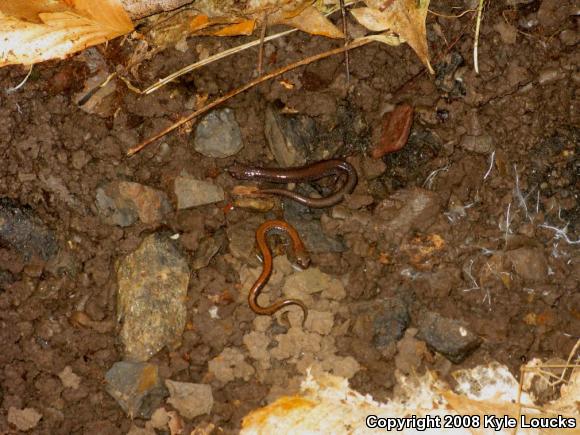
x=356, y=43
x=452, y=16
x=262, y=36
x=476, y=41
x=345, y=32
x=19, y=85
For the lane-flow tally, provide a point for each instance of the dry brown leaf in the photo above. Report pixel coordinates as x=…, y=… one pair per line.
x=404, y=17
x=38, y=30
x=309, y=20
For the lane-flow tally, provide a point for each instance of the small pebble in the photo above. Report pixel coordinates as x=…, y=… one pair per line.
x=189, y=399
x=449, y=337
x=192, y=193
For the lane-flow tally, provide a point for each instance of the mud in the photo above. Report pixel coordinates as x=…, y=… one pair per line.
x=491, y=170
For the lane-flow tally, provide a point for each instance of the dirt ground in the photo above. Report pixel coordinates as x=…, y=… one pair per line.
x=497, y=153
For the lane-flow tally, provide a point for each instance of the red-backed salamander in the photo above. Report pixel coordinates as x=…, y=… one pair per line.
x=312, y=172
x=301, y=256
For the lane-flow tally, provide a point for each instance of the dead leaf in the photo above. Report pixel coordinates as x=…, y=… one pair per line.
x=35, y=31
x=198, y=22
x=245, y=27
x=404, y=17
x=394, y=132
x=309, y=20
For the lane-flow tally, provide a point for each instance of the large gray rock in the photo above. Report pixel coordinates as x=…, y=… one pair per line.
x=153, y=284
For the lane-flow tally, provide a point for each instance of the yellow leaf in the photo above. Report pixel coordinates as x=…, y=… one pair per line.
x=309, y=20
x=404, y=17
x=38, y=30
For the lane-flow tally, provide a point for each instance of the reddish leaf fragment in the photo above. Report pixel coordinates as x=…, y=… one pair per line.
x=395, y=129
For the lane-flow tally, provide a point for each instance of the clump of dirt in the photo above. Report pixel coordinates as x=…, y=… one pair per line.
x=475, y=222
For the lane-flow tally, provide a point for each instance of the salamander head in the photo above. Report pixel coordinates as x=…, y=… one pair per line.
x=238, y=171
x=302, y=259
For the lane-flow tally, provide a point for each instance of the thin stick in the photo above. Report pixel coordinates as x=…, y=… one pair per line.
x=261, y=49
x=572, y=353
x=476, y=42
x=345, y=32
x=357, y=43
x=452, y=16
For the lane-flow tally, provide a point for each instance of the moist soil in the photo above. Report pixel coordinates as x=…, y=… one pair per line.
x=508, y=267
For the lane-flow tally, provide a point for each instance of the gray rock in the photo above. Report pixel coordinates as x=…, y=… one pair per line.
x=529, y=263
x=153, y=284
x=313, y=236
x=449, y=337
x=207, y=249
x=123, y=202
x=190, y=399
x=291, y=138
x=218, y=134
x=242, y=240
x=136, y=387
x=477, y=144
x=405, y=210
x=192, y=193
x=22, y=230
x=386, y=319
x=116, y=214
